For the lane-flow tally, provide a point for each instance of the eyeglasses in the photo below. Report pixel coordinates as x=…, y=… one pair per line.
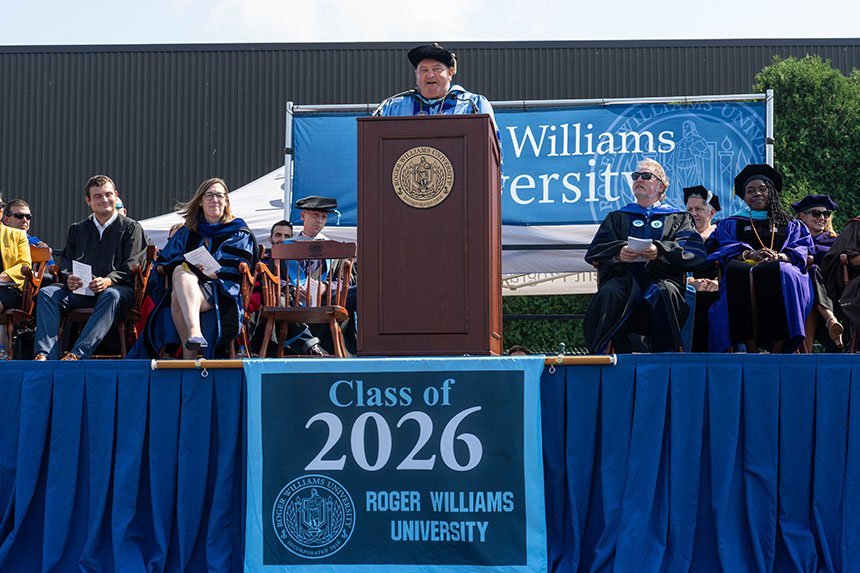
x=817, y=214
x=209, y=196
x=434, y=69
x=644, y=175
x=20, y=216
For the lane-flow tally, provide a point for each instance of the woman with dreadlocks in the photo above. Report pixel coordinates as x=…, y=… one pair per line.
x=765, y=294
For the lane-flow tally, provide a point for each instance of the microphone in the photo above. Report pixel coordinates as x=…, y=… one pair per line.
x=413, y=91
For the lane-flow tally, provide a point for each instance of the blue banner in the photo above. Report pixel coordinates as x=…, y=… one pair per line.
x=569, y=165
x=400, y=465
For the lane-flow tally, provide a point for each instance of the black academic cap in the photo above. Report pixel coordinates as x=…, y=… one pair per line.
x=701, y=191
x=811, y=201
x=757, y=171
x=434, y=51
x=317, y=203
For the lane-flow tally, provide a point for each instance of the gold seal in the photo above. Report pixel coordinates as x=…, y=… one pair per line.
x=423, y=177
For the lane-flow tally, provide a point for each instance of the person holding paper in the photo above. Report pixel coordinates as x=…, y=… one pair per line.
x=642, y=253
x=198, y=273
x=105, y=244
x=762, y=251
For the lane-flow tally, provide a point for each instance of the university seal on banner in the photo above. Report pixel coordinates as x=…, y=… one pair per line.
x=313, y=516
x=423, y=177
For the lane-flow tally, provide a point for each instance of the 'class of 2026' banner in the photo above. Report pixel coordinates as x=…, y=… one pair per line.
x=568, y=165
x=395, y=464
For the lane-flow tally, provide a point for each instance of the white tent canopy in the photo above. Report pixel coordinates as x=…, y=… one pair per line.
x=261, y=204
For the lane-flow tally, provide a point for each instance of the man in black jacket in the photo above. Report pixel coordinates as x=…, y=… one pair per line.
x=105, y=245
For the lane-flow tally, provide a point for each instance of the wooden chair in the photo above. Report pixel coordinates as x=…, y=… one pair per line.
x=294, y=300
x=15, y=319
x=249, y=277
x=126, y=325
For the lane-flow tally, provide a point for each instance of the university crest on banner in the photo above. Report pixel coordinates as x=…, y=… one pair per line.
x=399, y=464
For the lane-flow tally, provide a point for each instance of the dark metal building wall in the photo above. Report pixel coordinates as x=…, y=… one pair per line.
x=160, y=119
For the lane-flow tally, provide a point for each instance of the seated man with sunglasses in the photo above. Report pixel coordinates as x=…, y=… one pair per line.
x=642, y=253
x=14, y=254
x=17, y=214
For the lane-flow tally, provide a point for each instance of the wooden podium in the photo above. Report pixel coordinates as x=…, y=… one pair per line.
x=429, y=236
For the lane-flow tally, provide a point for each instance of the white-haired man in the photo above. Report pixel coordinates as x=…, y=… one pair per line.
x=642, y=253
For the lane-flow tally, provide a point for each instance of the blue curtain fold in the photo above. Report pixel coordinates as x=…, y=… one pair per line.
x=108, y=466
x=704, y=463
x=664, y=463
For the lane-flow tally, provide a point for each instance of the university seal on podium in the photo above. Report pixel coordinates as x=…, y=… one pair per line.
x=423, y=177
x=313, y=516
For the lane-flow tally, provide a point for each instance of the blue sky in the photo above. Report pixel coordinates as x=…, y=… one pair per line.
x=249, y=21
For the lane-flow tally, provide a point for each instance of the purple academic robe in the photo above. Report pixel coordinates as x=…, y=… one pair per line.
x=795, y=282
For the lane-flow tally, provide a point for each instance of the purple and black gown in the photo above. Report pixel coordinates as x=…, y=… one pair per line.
x=782, y=290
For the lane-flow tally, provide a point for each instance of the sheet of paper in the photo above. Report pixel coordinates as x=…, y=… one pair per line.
x=313, y=286
x=200, y=256
x=638, y=244
x=84, y=272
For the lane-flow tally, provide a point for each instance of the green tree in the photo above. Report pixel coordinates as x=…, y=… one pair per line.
x=816, y=130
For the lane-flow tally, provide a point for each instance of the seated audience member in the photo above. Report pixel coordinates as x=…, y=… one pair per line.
x=762, y=252
x=518, y=350
x=846, y=296
x=299, y=338
x=17, y=214
x=120, y=207
x=109, y=244
x=816, y=213
x=14, y=254
x=314, y=212
x=702, y=205
x=640, y=303
x=188, y=290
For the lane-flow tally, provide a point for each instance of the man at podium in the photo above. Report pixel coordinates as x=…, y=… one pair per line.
x=435, y=67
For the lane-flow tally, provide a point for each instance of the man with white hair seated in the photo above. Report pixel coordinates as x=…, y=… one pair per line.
x=642, y=253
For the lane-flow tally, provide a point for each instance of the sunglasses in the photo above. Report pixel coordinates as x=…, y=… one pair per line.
x=20, y=216
x=817, y=214
x=644, y=175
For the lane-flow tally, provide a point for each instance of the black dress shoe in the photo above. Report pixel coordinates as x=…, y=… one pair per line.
x=317, y=350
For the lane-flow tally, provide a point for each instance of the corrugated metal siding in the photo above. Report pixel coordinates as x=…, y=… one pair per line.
x=160, y=119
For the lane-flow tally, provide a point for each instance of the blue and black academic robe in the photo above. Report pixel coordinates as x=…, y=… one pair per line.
x=230, y=244
x=782, y=310
x=653, y=290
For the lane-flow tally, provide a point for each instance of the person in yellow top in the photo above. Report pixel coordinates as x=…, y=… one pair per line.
x=14, y=254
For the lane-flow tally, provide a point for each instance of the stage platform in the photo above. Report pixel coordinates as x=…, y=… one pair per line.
x=657, y=463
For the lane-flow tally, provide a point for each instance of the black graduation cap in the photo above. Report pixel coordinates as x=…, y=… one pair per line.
x=434, y=51
x=702, y=191
x=757, y=171
x=317, y=203
x=811, y=201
